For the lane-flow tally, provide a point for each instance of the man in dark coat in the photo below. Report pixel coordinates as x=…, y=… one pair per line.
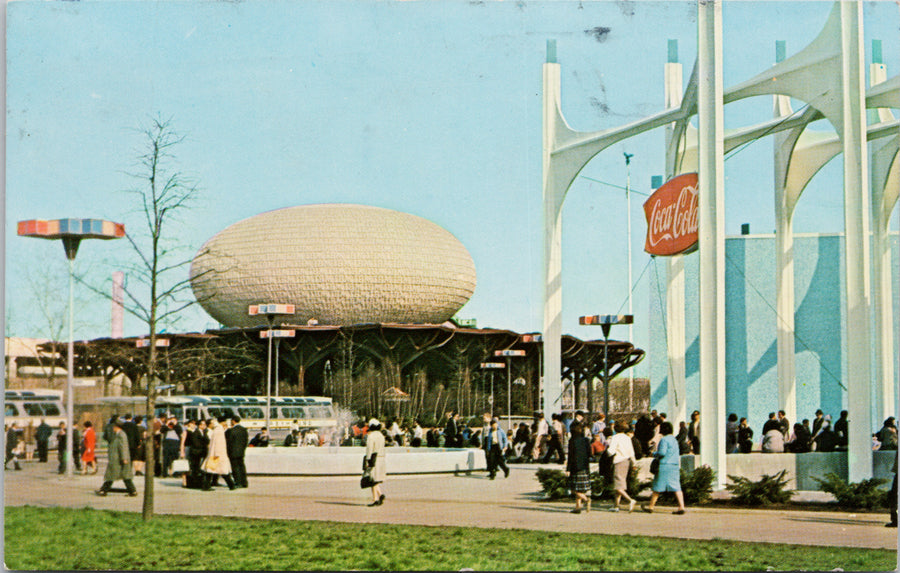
x=643, y=431
x=42, y=435
x=119, y=467
x=451, y=430
x=840, y=431
x=236, y=446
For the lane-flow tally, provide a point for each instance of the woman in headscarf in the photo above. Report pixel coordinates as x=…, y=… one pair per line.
x=374, y=460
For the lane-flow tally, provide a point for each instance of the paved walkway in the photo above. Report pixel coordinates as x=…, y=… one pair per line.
x=448, y=500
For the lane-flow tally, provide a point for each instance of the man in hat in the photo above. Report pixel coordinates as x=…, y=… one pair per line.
x=119, y=467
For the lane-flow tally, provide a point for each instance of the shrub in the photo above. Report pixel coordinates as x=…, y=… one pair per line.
x=697, y=485
x=856, y=495
x=555, y=484
x=768, y=490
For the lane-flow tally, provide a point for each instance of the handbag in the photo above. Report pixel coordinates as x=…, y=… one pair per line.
x=366, y=480
x=654, y=466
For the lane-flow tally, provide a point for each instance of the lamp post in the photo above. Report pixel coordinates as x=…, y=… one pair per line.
x=71, y=231
x=606, y=321
x=509, y=354
x=492, y=366
x=270, y=311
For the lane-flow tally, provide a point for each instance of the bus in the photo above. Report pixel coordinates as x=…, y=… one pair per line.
x=308, y=411
x=24, y=406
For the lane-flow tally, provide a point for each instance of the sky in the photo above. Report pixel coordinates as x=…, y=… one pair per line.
x=428, y=107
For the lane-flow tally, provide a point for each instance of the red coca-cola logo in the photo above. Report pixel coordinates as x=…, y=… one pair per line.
x=672, y=217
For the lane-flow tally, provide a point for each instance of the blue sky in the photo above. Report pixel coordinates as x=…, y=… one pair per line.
x=431, y=108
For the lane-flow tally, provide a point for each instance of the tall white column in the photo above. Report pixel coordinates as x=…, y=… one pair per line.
x=711, y=139
x=675, y=345
x=784, y=267
x=856, y=232
x=677, y=388
x=882, y=205
x=553, y=196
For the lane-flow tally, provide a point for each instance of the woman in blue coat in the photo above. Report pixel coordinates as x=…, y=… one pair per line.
x=668, y=478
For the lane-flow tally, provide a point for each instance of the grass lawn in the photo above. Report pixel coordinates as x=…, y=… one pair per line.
x=72, y=539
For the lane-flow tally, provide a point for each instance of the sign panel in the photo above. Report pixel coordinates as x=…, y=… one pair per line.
x=672, y=217
x=607, y=319
x=509, y=353
x=277, y=333
x=493, y=365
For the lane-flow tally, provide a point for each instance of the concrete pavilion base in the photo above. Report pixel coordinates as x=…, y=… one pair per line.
x=801, y=468
x=279, y=460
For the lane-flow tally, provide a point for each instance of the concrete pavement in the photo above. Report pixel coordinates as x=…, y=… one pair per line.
x=450, y=500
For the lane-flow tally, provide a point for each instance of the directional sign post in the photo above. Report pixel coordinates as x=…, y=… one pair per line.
x=605, y=321
x=492, y=366
x=509, y=354
x=270, y=311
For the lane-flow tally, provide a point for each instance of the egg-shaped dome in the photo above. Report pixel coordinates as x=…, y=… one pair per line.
x=338, y=264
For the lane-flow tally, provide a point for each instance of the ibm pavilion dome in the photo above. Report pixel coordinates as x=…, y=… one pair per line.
x=338, y=264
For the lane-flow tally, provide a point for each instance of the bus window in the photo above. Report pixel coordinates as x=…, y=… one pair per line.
x=11, y=410
x=51, y=410
x=251, y=413
x=33, y=409
x=190, y=413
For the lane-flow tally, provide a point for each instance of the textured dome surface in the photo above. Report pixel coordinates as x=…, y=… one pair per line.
x=338, y=264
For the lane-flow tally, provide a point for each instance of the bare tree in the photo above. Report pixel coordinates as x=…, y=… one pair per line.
x=162, y=193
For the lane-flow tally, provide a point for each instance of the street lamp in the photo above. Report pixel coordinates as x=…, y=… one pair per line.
x=271, y=311
x=509, y=354
x=606, y=321
x=71, y=231
x=492, y=366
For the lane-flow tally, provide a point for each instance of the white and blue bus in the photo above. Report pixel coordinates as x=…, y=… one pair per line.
x=307, y=411
x=23, y=406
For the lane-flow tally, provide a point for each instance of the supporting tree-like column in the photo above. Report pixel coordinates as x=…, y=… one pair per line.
x=784, y=265
x=856, y=232
x=884, y=198
x=711, y=215
x=551, y=387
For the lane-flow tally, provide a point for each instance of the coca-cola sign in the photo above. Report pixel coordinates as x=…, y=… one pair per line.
x=672, y=217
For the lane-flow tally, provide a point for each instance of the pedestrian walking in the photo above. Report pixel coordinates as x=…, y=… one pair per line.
x=578, y=467
x=668, y=474
x=374, y=461
x=495, y=444
x=88, y=447
x=12, y=446
x=622, y=451
x=217, y=462
x=119, y=467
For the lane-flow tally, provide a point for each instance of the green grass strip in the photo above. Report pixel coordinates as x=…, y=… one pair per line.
x=77, y=539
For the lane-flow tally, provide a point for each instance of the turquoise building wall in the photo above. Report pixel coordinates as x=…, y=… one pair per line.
x=750, y=328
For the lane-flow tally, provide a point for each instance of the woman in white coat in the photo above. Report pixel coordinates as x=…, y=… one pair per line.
x=375, y=460
x=623, y=457
x=216, y=462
